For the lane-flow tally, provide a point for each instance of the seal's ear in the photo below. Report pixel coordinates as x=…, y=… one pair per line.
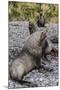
x=43, y=36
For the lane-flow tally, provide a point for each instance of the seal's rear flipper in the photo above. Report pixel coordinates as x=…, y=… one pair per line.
x=27, y=83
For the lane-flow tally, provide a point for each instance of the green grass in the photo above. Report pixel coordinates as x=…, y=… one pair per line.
x=19, y=11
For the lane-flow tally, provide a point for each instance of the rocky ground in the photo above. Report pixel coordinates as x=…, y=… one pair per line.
x=18, y=32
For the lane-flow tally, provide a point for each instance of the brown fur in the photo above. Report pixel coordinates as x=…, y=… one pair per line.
x=41, y=21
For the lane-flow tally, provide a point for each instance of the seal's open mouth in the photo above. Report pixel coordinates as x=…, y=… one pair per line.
x=54, y=52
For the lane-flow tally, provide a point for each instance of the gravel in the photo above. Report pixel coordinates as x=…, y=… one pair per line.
x=18, y=32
